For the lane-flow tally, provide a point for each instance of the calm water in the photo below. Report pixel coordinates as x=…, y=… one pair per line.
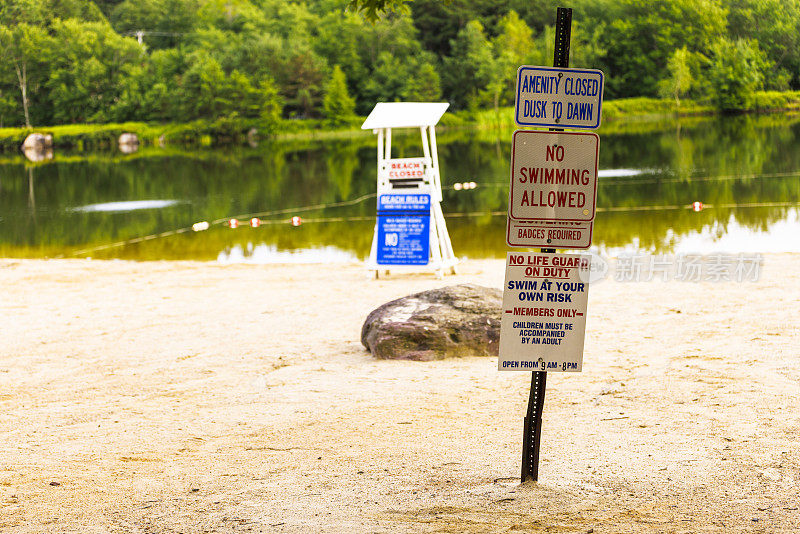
x=745, y=170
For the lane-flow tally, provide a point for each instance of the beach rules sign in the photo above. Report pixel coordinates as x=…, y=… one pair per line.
x=404, y=225
x=544, y=312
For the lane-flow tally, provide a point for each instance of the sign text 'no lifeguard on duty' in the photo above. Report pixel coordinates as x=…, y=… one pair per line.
x=553, y=97
x=544, y=312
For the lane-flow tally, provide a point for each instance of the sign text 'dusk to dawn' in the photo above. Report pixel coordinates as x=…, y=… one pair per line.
x=558, y=97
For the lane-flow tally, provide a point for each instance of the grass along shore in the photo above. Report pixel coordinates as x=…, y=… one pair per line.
x=234, y=130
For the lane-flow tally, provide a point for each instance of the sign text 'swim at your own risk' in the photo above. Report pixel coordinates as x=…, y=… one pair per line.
x=558, y=97
x=544, y=312
x=553, y=175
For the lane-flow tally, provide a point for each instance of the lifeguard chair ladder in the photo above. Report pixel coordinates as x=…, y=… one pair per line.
x=424, y=116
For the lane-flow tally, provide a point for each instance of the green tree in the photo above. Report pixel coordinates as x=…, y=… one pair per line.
x=271, y=104
x=167, y=23
x=338, y=106
x=640, y=36
x=468, y=73
x=423, y=85
x=512, y=47
x=21, y=53
x=775, y=25
x=680, y=76
x=87, y=70
x=735, y=73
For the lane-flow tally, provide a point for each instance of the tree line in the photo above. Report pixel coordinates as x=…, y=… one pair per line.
x=82, y=61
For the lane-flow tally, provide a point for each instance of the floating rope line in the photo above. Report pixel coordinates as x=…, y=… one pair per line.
x=226, y=219
x=632, y=181
x=452, y=215
x=299, y=210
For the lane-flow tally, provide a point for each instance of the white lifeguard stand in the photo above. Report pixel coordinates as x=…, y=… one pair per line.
x=403, y=185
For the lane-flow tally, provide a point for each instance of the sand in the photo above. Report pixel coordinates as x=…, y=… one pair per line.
x=194, y=397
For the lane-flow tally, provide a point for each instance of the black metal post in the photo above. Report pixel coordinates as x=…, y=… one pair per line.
x=533, y=420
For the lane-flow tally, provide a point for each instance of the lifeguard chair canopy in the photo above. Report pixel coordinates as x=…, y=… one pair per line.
x=404, y=115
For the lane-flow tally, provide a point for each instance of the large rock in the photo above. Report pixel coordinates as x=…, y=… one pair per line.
x=37, y=141
x=38, y=147
x=128, y=143
x=455, y=321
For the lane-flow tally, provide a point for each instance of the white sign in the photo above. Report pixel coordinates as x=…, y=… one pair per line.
x=402, y=173
x=544, y=312
x=553, y=175
x=558, y=98
x=549, y=234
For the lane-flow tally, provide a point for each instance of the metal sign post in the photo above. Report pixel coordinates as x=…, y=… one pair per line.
x=533, y=419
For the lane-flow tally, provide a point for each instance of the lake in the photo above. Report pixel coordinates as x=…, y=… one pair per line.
x=744, y=169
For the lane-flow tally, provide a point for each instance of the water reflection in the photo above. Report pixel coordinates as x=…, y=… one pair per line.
x=263, y=253
x=746, y=169
x=128, y=205
x=733, y=237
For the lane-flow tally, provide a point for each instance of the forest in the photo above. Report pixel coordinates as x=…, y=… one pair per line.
x=162, y=61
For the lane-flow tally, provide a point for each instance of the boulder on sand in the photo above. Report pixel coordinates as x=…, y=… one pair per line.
x=454, y=321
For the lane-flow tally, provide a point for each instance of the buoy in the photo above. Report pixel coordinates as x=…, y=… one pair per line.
x=296, y=221
x=472, y=185
x=457, y=186
x=255, y=222
x=697, y=206
x=233, y=223
x=200, y=226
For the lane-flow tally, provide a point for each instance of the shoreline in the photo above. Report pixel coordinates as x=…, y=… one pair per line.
x=191, y=396
x=206, y=133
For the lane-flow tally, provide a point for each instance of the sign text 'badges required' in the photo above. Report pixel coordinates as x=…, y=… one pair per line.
x=553, y=175
x=558, y=97
x=544, y=312
x=549, y=234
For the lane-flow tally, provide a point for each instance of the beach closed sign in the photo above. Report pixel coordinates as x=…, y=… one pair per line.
x=558, y=97
x=553, y=175
x=544, y=312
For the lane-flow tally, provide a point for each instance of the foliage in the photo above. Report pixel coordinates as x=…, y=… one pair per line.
x=680, y=76
x=338, y=105
x=65, y=61
x=735, y=73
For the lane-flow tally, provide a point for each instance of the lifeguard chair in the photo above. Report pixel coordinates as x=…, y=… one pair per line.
x=410, y=231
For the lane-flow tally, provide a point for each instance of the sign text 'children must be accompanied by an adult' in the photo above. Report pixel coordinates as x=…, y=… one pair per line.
x=558, y=97
x=544, y=312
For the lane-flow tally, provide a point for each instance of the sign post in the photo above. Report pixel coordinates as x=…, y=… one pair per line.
x=552, y=201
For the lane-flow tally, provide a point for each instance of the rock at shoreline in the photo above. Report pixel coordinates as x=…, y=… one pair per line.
x=37, y=141
x=38, y=147
x=128, y=143
x=454, y=321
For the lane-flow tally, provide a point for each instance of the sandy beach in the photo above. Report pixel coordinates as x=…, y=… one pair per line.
x=194, y=397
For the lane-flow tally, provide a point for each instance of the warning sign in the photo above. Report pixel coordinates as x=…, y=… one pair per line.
x=549, y=234
x=404, y=224
x=544, y=312
x=558, y=97
x=553, y=175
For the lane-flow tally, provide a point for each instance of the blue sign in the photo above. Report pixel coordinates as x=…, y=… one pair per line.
x=404, y=226
x=558, y=97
